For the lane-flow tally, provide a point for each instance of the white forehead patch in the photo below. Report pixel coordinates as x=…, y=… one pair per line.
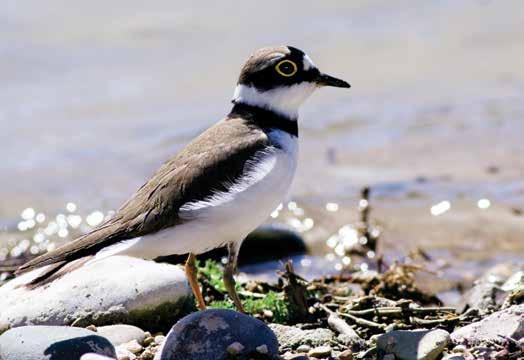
x=308, y=63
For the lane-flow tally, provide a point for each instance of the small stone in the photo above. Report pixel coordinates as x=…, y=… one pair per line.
x=121, y=334
x=414, y=344
x=292, y=337
x=389, y=357
x=292, y=356
x=459, y=349
x=268, y=314
x=346, y=355
x=453, y=357
x=148, y=341
x=147, y=355
x=133, y=347
x=159, y=339
x=262, y=349
x=303, y=348
x=320, y=352
x=91, y=327
x=124, y=354
x=93, y=356
x=235, y=348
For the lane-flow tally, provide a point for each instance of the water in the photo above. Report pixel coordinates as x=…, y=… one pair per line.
x=97, y=95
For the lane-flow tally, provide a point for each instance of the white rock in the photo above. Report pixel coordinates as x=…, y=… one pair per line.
x=504, y=323
x=93, y=356
x=112, y=287
x=121, y=333
x=133, y=346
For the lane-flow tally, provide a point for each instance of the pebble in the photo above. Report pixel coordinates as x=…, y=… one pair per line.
x=414, y=344
x=132, y=346
x=148, y=341
x=320, y=352
x=346, y=355
x=93, y=356
x=159, y=339
x=292, y=337
x=389, y=357
x=120, y=334
x=303, y=348
x=136, y=290
x=453, y=357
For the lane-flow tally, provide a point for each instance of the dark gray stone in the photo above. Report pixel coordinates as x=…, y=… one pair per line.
x=210, y=334
x=52, y=343
x=413, y=344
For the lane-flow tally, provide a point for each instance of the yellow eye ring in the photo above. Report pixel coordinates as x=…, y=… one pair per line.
x=285, y=62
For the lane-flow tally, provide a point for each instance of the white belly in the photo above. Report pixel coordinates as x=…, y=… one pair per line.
x=226, y=217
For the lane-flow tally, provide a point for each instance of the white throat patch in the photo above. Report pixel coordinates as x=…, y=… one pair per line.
x=284, y=100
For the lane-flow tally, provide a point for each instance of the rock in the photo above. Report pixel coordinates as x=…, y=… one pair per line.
x=483, y=296
x=303, y=348
x=211, y=334
x=93, y=356
x=137, y=292
x=453, y=357
x=271, y=242
x=414, y=344
x=52, y=342
x=389, y=357
x=124, y=354
x=346, y=355
x=133, y=347
x=159, y=339
x=121, y=333
x=504, y=323
x=320, y=352
x=291, y=337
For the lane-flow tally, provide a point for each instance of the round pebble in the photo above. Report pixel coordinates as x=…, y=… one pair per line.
x=346, y=355
x=303, y=348
x=320, y=352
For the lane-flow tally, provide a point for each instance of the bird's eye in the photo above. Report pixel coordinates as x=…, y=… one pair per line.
x=286, y=68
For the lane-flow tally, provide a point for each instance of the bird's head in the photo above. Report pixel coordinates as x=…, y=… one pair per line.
x=280, y=79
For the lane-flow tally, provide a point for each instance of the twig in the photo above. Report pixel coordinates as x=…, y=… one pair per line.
x=363, y=322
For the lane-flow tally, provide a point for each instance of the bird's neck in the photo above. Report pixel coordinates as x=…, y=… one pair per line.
x=284, y=100
x=264, y=118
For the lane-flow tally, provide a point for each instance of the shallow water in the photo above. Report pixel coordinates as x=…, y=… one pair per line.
x=96, y=95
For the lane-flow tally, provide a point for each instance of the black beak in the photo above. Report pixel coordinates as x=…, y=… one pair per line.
x=326, y=80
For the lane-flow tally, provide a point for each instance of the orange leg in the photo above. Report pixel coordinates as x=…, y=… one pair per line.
x=191, y=273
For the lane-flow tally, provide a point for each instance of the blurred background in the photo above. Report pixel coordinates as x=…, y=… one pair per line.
x=96, y=95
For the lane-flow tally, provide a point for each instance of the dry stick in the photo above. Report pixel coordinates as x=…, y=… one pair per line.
x=339, y=325
x=399, y=311
x=363, y=322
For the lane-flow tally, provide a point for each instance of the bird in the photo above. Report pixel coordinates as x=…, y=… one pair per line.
x=219, y=187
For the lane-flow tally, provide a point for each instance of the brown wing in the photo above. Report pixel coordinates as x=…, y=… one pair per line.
x=206, y=165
